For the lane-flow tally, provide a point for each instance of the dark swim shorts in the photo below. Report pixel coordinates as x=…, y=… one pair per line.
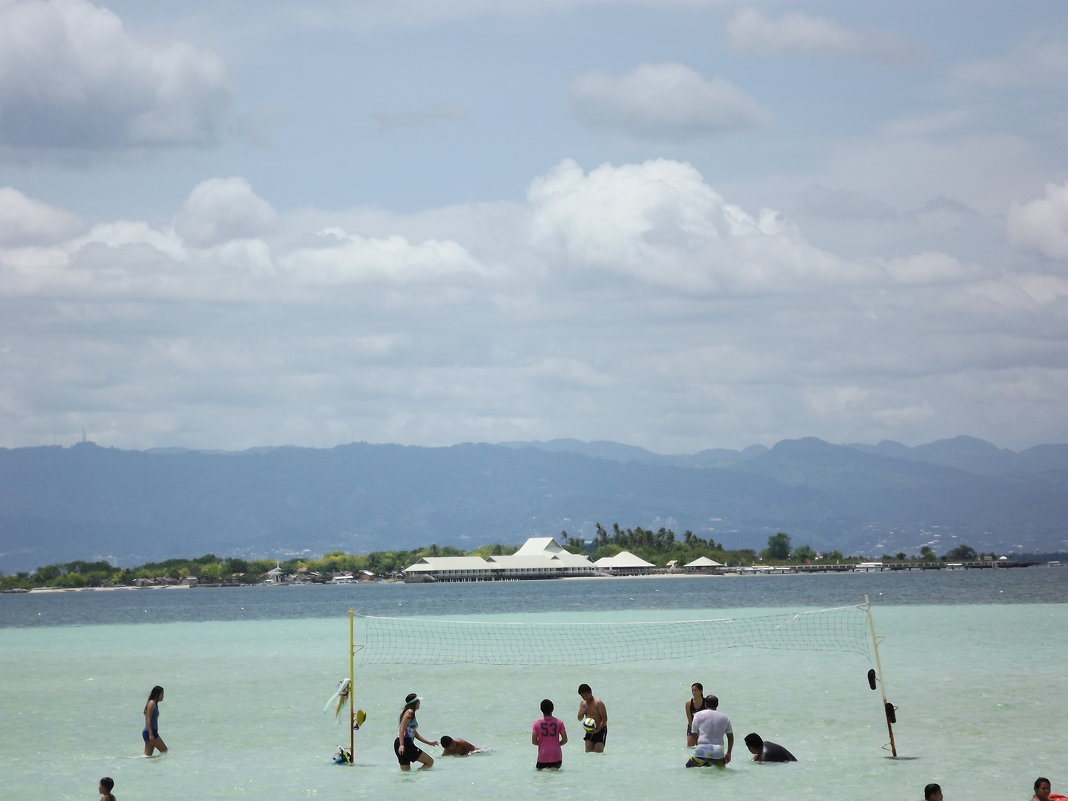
x=411, y=754
x=144, y=734
x=597, y=736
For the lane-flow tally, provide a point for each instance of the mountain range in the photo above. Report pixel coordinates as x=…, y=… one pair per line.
x=60, y=504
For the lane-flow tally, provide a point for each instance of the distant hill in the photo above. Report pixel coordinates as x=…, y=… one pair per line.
x=87, y=502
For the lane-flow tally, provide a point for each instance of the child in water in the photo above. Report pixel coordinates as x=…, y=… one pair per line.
x=107, y=784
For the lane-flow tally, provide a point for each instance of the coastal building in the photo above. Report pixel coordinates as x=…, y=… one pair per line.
x=275, y=575
x=702, y=564
x=537, y=558
x=625, y=563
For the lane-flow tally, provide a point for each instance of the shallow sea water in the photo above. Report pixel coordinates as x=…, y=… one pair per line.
x=980, y=689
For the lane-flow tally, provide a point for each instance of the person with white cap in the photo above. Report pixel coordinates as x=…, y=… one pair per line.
x=407, y=733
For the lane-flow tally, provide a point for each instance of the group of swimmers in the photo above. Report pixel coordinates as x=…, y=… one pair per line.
x=708, y=731
x=548, y=733
x=710, y=734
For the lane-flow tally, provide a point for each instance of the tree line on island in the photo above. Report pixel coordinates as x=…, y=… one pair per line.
x=660, y=547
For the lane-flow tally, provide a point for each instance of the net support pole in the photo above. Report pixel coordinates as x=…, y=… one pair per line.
x=352, y=689
x=888, y=708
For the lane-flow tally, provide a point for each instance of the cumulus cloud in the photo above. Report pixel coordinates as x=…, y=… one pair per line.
x=24, y=220
x=660, y=223
x=74, y=81
x=632, y=302
x=753, y=32
x=222, y=209
x=663, y=101
x=1042, y=224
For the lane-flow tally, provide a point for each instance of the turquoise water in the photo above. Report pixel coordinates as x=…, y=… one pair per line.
x=980, y=687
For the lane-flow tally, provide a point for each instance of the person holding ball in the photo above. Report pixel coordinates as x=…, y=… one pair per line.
x=591, y=707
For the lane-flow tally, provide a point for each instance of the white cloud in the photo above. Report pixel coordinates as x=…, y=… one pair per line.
x=631, y=302
x=751, y=31
x=660, y=223
x=663, y=101
x=73, y=81
x=223, y=209
x=342, y=257
x=24, y=220
x=1042, y=224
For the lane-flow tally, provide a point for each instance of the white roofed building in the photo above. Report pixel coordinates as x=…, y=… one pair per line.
x=702, y=564
x=538, y=558
x=625, y=563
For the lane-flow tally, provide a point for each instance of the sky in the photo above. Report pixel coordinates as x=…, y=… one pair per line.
x=675, y=224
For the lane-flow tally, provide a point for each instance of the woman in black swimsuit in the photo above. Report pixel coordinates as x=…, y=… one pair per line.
x=694, y=705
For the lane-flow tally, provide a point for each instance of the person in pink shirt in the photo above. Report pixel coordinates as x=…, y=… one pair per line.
x=549, y=734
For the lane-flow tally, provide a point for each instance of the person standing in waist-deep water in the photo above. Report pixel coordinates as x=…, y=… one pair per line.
x=712, y=726
x=549, y=734
x=407, y=733
x=694, y=705
x=150, y=734
x=591, y=707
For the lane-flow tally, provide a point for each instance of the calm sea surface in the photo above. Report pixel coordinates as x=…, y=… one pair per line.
x=925, y=588
x=974, y=661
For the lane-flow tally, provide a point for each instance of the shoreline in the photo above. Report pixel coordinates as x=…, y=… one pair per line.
x=780, y=571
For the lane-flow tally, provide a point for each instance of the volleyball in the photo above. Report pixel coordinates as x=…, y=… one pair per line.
x=589, y=724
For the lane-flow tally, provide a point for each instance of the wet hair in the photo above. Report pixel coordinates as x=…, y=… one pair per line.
x=754, y=740
x=547, y=707
x=107, y=783
x=445, y=741
x=712, y=702
x=931, y=789
x=157, y=691
x=698, y=685
x=583, y=689
x=1041, y=779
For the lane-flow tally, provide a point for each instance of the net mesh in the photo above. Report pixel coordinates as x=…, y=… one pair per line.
x=429, y=641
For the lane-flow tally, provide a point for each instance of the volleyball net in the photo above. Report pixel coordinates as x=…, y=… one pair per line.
x=436, y=641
